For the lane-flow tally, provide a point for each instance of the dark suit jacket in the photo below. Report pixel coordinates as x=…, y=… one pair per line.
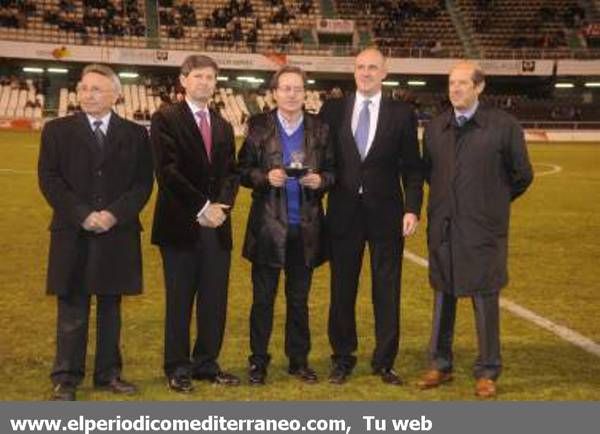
x=474, y=173
x=186, y=179
x=266, y=230
x=76, y=179
x=390, y=176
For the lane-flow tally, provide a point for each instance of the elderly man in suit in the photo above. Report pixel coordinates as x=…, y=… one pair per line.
x=376, y=200
x=285, y=228
x=476, y=164
x=95, y=171
x=194, y=152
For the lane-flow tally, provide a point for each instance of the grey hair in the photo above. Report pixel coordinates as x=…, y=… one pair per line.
x=106, y=72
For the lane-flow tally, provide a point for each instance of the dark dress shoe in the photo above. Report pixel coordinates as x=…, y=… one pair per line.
x=389, y=376
x=221, y=378
x=63, y=392
x=181, y=384
x=434, y=378
x=257, y=375
x=338, y=375
x=119, y=386
x=305, y=374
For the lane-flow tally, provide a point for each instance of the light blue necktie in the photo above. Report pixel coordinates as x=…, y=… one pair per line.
x=361, y=135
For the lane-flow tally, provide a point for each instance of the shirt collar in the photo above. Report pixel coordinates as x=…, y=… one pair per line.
x=290, y=127
x=105, y=120
x=195, y=108
x=375, y=99
x=467, y=113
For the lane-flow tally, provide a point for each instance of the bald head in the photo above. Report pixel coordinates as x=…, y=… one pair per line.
x=369, y=71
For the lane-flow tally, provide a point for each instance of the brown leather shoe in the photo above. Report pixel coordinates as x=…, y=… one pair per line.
x=434, y=378
x=485, y=388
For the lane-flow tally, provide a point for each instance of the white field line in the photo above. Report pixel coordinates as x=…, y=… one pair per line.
x=562, y=332
x=17, y=172
x=550, y=169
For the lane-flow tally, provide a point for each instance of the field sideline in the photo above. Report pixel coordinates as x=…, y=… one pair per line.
x=554, y=251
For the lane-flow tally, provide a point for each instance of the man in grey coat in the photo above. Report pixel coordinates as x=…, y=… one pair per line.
x=476, y=165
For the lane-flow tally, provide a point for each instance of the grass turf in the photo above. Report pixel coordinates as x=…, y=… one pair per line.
x=554, y=246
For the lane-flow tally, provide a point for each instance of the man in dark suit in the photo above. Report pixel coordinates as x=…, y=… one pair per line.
x=95, y=171
x=194, y=152
x=376, y=200
x=476, y=163
x=285, y=229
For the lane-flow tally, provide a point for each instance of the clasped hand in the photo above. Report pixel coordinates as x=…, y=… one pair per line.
x=99, y=221
x=213, y=216
x=277, y=178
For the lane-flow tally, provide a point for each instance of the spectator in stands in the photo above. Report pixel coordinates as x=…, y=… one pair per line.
x=197, y=187
x=287, y=207
x=468, y=246
x=95, y=230
x=252, y=38
x=367, y=205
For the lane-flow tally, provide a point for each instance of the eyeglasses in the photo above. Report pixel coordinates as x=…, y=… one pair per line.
x=93, y=90
x=290, y=89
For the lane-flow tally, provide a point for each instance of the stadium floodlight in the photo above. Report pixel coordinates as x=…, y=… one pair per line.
x=244, y=78
x=57, y=70
x=310, y=82
x=592, y=84
x=129, y=74
x=564, y=85
x=34, y=70
x=390, y=83
x=222, y=78
x=416, y=83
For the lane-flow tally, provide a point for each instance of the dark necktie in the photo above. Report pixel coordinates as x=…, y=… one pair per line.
x=461, y=120
x=100, y=137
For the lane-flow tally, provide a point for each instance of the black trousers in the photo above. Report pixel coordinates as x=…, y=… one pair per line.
x=199, y=274
x=487, y=322
x=298, y=279
x=72, y=336
x=346, y=263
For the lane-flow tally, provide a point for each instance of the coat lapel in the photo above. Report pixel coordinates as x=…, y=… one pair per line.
x=87, y=135
x=113, y=139
x=348, y=137
x=192, y=130
x=382, y=121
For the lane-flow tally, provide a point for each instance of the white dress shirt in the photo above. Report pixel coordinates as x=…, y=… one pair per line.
x=373, y=115
x=105, y=120
x=195, y=108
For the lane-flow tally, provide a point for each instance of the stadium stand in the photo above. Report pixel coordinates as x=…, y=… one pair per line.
x=20, y=98
x=84, y=22
x=405, y=28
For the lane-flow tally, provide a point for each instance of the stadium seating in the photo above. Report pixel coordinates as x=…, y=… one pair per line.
x=20, y=99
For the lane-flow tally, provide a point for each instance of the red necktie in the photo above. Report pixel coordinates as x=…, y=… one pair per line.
x=205, y=131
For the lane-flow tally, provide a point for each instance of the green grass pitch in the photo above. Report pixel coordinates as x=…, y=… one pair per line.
x=554, y=268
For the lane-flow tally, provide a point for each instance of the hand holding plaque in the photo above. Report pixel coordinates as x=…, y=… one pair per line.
x=296, y=168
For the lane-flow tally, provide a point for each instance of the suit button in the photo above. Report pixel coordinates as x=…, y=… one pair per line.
x=99, y=173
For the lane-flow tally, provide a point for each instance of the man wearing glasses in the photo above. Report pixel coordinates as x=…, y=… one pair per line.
x=95, y=171
x=287, y=161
